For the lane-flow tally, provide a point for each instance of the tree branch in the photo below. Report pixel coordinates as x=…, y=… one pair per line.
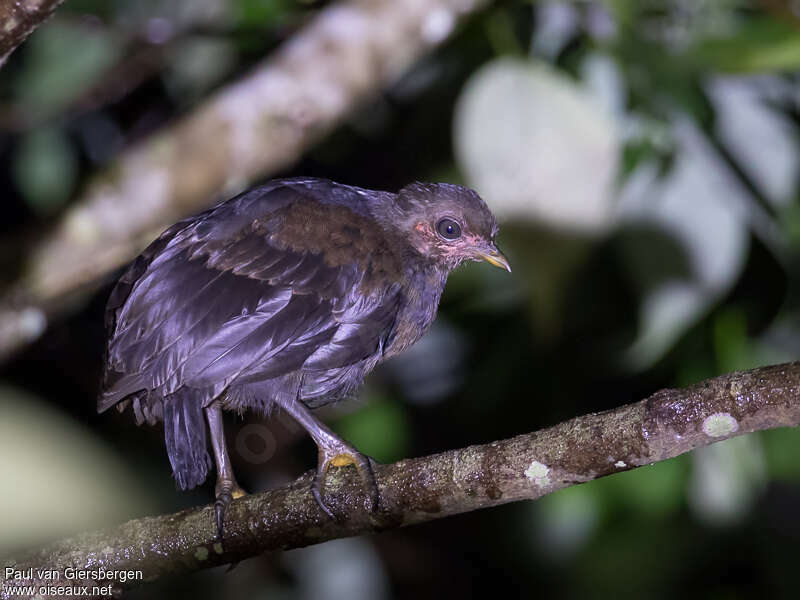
x=19, y=19
x=252, y=128
x=668, y=423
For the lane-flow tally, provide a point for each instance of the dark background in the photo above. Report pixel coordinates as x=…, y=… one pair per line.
x=649, y=207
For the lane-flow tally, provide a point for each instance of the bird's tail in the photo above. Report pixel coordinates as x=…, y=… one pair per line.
x=185, y=435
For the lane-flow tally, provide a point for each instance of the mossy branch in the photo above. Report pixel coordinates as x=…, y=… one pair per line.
x=667, y=424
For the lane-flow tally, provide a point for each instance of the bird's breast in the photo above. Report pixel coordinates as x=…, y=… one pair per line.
x=418, y=311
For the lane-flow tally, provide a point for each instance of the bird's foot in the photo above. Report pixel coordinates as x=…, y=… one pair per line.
x=226, y=491
x=338, y=453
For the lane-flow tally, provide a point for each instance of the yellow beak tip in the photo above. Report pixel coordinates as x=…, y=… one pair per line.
x=497, y=259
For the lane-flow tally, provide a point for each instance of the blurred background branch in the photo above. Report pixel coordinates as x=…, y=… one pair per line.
x=667, y=424
x=19, y=18
x=253, y=127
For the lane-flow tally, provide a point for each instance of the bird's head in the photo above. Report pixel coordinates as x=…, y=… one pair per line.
x=448, y=223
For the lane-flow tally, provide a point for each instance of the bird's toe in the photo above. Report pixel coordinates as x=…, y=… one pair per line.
x=316, y=490
x=342, y=457
x=226, y=492
x=220, y=506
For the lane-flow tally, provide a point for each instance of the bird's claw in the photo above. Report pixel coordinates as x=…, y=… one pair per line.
x=338, y=455
x=226, y=492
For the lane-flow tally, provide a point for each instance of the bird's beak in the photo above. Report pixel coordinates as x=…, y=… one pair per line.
x=494, y=257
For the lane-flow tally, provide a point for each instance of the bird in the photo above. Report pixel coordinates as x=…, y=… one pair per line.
x=285, y=297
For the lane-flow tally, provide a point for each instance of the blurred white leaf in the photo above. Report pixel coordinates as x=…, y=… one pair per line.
x=700, y=207
x=762, y=139
x=348, y=569
x=727, y=479
x=604, y=82
x=565, y=522
x=556, y=23
x=537, y=146
x=57, y=479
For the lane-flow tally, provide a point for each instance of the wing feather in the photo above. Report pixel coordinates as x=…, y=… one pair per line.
x=246, y=294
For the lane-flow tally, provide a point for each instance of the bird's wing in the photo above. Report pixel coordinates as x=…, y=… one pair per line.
x=263, y=285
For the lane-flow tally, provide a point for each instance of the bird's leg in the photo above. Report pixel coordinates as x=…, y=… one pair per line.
x=226, y=489
x=333, y=452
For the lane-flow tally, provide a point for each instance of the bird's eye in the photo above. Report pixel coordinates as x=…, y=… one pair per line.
x=448, y=229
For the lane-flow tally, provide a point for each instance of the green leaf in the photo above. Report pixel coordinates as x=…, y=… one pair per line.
x=380, y=429
x=63, y=61
x=782, y=447
x=653, y=491
x=45, y=169
x=765, y=44
x=730, y=341
x=263, y=12
x=197, y=64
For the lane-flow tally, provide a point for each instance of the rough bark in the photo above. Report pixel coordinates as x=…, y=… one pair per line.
x=252, y=128
x=668, y=423
x=19, y=18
